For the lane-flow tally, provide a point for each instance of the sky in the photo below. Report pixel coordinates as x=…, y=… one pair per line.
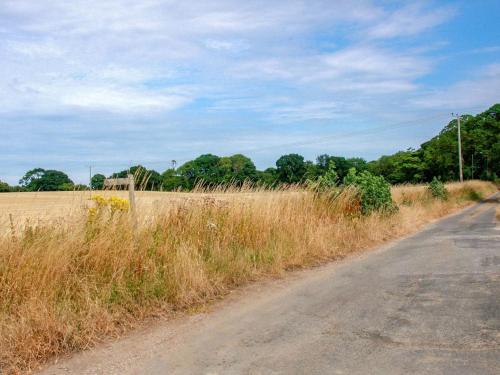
x=110, y=84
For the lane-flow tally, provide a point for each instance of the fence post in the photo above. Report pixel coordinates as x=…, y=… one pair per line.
x=131, y=197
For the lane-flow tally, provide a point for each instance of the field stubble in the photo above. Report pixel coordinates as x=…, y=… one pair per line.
x=68, y=281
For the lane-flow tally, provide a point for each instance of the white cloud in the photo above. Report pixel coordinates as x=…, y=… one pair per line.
x=199, y=68
x=409, y=20
x=475, y=93
x=118, y=100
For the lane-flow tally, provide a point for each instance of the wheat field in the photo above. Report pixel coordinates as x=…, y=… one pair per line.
x=69, y=278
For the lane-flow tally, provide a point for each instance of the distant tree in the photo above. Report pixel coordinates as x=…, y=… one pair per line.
x=39, y=179
x=403, y=166
x=480, y=148
x=237, y=169
x=291, y=168
x=268, y=177
x=313, y=171
x=97, y=181
x=342, y=165
x=204, y=169
x=4, y=187
x=170, y=180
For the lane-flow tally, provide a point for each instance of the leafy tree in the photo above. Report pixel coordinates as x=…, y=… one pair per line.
x=403, y=166
x=313, y=171
x=438, y=157
x=97, y=181
x=4, y=187
x=268, y=177
x=205, y=169
x=342, y=165
x=39, y=179
x=237, y=169
x=480, y=142
x=171, y=180
x=291, y=168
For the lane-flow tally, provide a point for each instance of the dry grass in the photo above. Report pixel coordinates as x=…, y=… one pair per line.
x=64, y=286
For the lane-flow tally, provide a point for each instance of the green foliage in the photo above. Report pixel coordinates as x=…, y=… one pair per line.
x=327, y=181
x=291, y=168
x=374, y=192
x=4, y=187
x=268, y=177
x=39, y=179
x=171, y=180
x=97, y=181
x=204, y=169
x=437, y=189
x=342, y=165
x=439, y=156
x=403, y=166
x=145, y=179
x=237, y=169
x=474, y=195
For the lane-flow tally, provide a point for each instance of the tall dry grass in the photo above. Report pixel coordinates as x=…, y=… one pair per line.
x=64, y=287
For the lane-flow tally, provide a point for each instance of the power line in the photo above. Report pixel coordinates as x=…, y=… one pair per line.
x=370, y=131
x=316, y=140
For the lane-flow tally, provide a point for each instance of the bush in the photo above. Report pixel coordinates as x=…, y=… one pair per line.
x=374, y=192
x=437, y=189
x=473, y=195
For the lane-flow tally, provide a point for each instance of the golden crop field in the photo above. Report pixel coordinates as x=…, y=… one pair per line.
x=17, y=209
x=41, y=207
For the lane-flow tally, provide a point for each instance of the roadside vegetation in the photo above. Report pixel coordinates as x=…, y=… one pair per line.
x=67, y=285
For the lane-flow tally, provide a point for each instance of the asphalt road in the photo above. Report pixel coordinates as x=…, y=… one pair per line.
x=428, y=304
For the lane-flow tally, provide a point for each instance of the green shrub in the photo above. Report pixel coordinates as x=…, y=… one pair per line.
x=374, y=192
x=473, y=195
x=437, y=189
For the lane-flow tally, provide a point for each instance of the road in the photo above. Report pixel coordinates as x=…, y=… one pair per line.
x=427, y=304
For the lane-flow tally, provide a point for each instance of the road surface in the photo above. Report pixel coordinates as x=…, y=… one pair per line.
x=428, y=304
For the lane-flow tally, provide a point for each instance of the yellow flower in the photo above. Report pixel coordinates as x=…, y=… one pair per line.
x=99, y=200
x=118, y=204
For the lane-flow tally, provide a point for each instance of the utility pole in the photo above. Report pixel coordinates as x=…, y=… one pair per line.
x=459, y=150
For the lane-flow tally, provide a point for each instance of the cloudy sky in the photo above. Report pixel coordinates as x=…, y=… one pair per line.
x=115, y=83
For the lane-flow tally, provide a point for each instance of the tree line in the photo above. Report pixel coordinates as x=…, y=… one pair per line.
x=437, y=157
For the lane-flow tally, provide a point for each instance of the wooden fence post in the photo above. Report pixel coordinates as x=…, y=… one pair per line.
x=131, y=197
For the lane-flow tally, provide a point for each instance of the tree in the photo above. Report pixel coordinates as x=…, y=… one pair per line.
x=237, y=169
x=97, y=181
x=291, y=168
x=4, y=187
x=39, y=179
x=204, y=169
x=438, y=157
x=403, y=166
x=268, y=177
x=171, y=180
x=342, y=165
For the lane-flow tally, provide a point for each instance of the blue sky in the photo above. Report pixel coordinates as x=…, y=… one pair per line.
x=116, y=83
